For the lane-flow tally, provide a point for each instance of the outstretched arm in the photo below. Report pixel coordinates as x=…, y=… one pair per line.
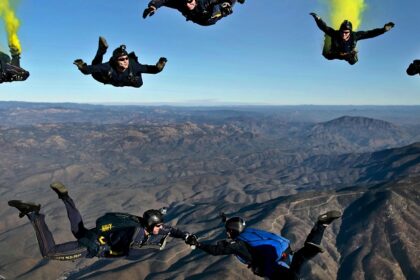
x=174, y=232
x=322, y=25
x=156, y=4
x=91, y=69
x=152, y=69
x=223, y=247
x=360, y=35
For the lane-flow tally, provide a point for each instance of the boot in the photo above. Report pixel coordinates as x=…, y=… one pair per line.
x=59, y=189
x=102, y=45
x=328, y=217
x=24, y=207
x=15, y=53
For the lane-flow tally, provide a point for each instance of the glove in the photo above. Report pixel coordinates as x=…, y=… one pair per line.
x=150, y=11
x=161, y=63
x=226, y=9
x=389, y=26
x=79, y=63
x=315, y=15
x=191, y=240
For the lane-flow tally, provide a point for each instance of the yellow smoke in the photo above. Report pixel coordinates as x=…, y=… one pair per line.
x=11, y=22
x=341, y=10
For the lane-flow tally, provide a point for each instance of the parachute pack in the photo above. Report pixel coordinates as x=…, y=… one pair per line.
x=272, y=247
x=114, y=221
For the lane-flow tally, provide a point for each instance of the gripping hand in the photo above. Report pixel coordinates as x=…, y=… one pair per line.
x=389, y=26
x=161, y=63
x=191, y=240
x=79, y=63
x=150, y=11
x=315, y=16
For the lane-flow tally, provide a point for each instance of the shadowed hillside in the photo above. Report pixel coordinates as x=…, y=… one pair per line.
x=243, y=163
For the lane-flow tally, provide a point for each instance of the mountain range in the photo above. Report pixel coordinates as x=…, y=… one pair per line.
x=277, y=170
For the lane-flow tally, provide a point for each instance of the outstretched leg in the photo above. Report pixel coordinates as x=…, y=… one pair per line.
x=15, y=56
x=67, y=251
x=312, y=243
x=76, y=222
x=102, y=47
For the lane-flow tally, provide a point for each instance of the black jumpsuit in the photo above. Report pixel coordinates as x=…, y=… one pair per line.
x=201, y=14
x=122, y=243
x=107, y=74
x=345, y=50
x=256, y=263
x=10, y=70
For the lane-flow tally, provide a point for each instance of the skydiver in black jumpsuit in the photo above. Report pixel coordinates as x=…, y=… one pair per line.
x=123, y=69
x=103, y=241
x=202, y=12
x=414, y=68
x=257, y=261
x=344, y=40
x=10, y=70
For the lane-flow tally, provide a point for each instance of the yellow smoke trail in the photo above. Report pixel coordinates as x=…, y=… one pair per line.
x=341, y=10
x=11, y=23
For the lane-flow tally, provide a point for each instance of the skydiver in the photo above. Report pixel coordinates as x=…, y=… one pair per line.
x=123, y=69
x=344, y=40
x=202, y=12
x=267, y=254
x=10, y=70
x=115, y=234
x=414, y=68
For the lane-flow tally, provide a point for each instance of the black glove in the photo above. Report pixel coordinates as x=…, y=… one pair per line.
x=150, y=11
x=191, y=240
x=315, y=15
x=79, y=63
x=161, y=63
x=226, y=8
x=389, y=26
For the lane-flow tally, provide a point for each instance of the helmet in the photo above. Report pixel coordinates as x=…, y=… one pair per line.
x=346, y=25
x=151, y=218
x=235, y=226
x=120, y=51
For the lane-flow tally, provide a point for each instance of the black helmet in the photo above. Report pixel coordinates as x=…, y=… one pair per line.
x=346, y=25
x=151, y=218
x=235, y=226
x=118, y=52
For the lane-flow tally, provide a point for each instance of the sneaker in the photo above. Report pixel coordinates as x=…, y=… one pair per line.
x=59, y=189
x=328, y=217
x=102, y=45
x=24, y=207
x=315, y=247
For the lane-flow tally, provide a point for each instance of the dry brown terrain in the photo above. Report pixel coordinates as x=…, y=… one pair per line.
x=278, y=175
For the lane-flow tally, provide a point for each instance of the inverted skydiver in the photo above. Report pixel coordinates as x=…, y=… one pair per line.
x=267, y=254
x=10, y=70
x=115, y=234
x=123, y=69
x=344, y=40
x=202, y=12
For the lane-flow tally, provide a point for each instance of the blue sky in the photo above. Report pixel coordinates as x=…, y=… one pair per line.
x=266, y=52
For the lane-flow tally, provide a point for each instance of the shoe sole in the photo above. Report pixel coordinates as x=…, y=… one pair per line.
x=59, y=188
x=24, y=207
x=332, y=215
x=103, y=42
